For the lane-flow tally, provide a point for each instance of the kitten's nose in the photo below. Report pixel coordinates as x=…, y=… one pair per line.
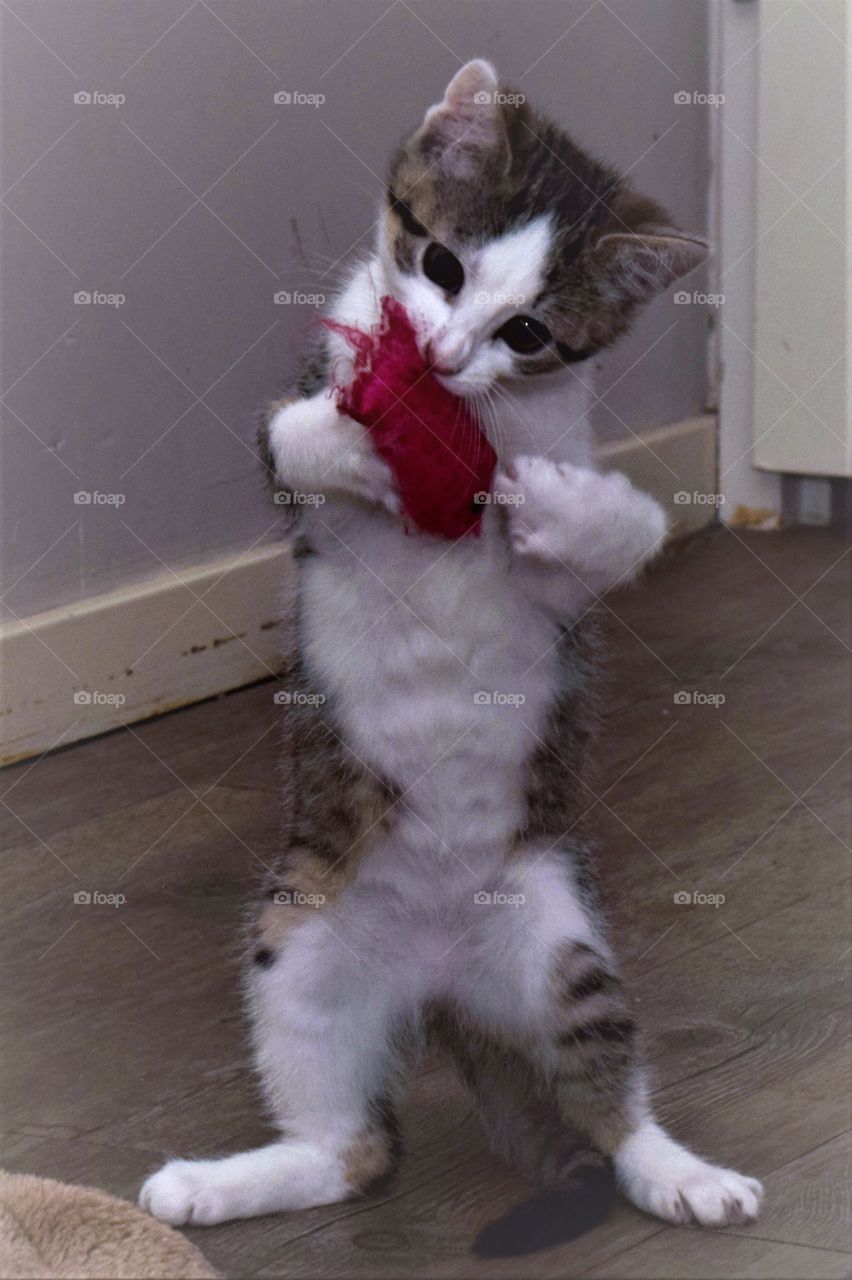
x=440, y=361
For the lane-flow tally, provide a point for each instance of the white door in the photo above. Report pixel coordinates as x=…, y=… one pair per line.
x=784, y=170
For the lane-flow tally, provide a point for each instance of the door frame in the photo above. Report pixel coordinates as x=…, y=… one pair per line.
x=748, y=495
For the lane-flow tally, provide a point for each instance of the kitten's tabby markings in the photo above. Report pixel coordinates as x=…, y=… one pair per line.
x=310, y=885
x=433, y=764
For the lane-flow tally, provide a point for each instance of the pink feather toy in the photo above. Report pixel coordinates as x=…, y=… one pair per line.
x=430, y=438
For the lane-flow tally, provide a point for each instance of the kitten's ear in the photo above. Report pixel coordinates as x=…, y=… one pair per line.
x=646, y=261
x=467, y=123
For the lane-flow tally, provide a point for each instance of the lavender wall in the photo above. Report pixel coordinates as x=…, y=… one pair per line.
x=198, y=198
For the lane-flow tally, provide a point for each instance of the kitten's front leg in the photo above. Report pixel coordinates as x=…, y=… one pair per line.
x=594, y=524
x=314, y=449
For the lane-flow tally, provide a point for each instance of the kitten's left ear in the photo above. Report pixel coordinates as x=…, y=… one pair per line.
x=467, y=123
x=646, y=261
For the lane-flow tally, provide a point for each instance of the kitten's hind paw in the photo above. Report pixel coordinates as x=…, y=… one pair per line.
x=180, y=1194
x=665, y=1179
x=282, y=1176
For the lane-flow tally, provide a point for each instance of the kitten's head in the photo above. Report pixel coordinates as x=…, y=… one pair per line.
x=514, y=251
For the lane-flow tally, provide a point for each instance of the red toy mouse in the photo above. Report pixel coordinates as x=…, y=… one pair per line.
x=429, y=437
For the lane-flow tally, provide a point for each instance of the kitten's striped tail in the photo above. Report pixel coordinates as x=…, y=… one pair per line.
x=552, y=1217
x=521, y=1119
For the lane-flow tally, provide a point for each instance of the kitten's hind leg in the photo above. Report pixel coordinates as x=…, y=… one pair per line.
x=547, y=985
x=325, y=1015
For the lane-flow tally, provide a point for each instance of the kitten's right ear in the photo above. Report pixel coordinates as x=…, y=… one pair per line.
x=640, y=252
x=467, y=124
x=646, y=262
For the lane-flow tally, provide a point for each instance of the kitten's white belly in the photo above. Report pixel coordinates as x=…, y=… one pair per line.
x=441, y=676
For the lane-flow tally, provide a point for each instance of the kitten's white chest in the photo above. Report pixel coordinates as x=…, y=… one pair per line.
x=441, y=677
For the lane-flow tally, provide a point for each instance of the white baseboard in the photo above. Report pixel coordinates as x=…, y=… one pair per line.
x=157, y=646
x=673, y=463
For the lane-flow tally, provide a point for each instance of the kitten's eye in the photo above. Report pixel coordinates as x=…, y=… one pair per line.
x=443, y=268
x=524, y=334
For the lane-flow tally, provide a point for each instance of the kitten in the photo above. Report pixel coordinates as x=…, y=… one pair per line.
x=435, y=877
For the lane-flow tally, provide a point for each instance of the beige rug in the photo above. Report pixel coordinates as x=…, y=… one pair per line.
x=52, y=1231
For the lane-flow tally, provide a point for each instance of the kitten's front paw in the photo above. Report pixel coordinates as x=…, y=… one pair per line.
x=314, y=450
x=532, y=490
x=368, y=476
x=593, y=522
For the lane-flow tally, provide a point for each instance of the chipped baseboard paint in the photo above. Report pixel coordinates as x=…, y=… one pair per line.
x=757, y=519
x=151, y=646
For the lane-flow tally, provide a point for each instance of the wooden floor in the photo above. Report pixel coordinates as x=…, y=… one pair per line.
x=126, y=1020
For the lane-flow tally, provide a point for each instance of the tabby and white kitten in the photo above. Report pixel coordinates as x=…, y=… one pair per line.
x=434, y=877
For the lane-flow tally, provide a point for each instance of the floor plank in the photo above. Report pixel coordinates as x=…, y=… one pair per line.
x=673, y=1254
